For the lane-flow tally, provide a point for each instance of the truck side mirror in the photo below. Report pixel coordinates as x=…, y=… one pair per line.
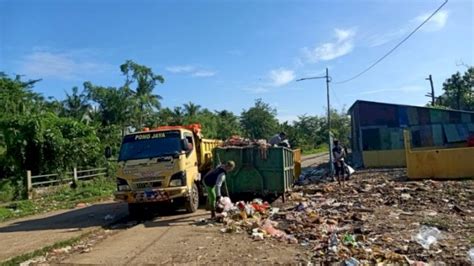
x=108, y=152
x=185, y=145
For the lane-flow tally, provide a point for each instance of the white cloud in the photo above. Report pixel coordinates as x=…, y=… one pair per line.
x=180, y=69
x=61, y=65
x=377, y=40
x=343, y=45
x=437, y=22
x=190, y=70
x=203, y=73
x=281, y=76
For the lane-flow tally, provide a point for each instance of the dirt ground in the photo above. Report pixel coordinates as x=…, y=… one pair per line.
x=174, y=239
x=35, y=232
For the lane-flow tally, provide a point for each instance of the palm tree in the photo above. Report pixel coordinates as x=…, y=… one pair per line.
x=145, y=80
x=76, y=105
x=178, y=115
x=191, y=109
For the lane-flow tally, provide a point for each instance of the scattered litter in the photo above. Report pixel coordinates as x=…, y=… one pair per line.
x=427, y=236
x=374, y=219
x=351, y=262
x=406, y=196
x=81, y=205
x=62, y=250
x=35, y=260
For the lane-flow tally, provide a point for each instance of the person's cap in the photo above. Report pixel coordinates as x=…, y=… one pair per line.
x=230, y=164
x=283, y=133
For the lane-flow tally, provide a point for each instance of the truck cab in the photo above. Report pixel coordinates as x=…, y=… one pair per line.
x=163, y=165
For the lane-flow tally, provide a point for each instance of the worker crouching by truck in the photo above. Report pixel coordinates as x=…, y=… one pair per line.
x=213, y=182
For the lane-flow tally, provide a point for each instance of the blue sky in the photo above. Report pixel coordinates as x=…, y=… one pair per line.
x=225, y=54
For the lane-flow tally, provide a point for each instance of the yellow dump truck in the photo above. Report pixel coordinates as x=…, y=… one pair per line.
x=163, y=165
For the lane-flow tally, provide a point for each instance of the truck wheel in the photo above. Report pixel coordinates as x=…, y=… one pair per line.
x=192, y=201
x=135, y=210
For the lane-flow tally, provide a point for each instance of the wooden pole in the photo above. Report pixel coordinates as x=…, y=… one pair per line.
x=29, y=185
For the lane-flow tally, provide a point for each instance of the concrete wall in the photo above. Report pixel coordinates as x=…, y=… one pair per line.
x=439, y=163
x=384, y=158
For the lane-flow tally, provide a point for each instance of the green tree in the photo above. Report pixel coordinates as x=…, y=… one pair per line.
x=209, y=123
x=76, y=105
x=17, y=97
x=166, y=117
x=259, y=121
x=46, y=143
x=191, y=111
x=178, y=116
x=228, y=124
x=459, y=91
x=145, y=81
x=115, y=106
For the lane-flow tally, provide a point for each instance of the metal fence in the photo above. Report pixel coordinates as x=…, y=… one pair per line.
x=57, y=179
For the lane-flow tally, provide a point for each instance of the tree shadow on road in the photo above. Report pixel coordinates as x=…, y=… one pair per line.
x=91, y=216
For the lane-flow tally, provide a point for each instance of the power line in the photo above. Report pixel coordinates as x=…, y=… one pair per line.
x=396, y=46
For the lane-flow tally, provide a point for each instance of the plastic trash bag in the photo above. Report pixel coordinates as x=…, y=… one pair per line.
x=427, y=236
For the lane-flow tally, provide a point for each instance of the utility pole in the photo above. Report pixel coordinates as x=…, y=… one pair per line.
x=328, y=79
x=331, y=170
x=432, y=94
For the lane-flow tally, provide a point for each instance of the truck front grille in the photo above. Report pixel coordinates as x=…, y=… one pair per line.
x=143, y=185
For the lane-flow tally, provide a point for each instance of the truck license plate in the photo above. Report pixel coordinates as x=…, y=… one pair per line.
x=150, y=194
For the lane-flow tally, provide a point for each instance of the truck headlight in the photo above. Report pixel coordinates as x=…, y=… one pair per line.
x=178, y=179
x=123, y=188
x=122, y=184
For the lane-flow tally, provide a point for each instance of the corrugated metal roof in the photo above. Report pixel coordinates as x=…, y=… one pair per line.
x=414, y=106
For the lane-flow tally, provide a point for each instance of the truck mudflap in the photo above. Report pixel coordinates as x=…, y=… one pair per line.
x=152, y=195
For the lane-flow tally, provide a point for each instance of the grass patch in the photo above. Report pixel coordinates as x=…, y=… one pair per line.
x=315, y=150
x=62, y=197
x=43, y=251
x=439, y=223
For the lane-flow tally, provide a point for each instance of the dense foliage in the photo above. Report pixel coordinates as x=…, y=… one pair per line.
x=458, y=91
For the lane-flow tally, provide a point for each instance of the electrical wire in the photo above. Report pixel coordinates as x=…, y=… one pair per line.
x=394, y=48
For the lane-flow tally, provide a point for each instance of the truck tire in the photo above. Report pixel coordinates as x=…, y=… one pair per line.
x=191, y=203
x=135, y=210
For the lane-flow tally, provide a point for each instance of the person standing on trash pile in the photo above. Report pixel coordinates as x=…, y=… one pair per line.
x=338, y=153
x=277, y=139
x=213, y=181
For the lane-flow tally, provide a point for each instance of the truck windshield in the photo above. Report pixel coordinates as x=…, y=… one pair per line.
x=149, y=145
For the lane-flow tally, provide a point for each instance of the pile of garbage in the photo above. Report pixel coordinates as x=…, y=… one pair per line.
x=253, y=217
x=237, y=141
x=378, y=217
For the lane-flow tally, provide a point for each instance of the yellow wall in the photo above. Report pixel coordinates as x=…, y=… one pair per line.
x=439, y=163
x=384, y=158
